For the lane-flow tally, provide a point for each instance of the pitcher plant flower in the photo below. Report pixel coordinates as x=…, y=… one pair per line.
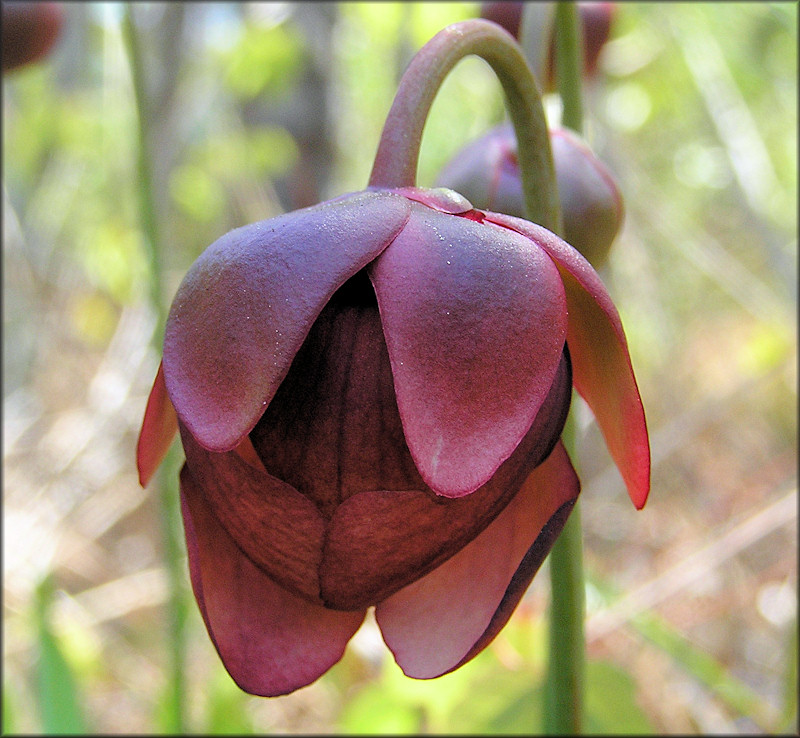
x=370, y=394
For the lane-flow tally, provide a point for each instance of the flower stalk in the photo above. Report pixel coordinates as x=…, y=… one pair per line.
x=399, y=147
x=564, y=682
x=569, y=63
x=563, y=693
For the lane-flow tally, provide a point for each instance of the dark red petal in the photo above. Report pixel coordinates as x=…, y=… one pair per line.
x=601, y=364
x=270, y=641
x=159, y=427
x=247, y=452
x=379, y=541
x=272, y=523
x=246, y=305
x=475, y=320
x=446, y=618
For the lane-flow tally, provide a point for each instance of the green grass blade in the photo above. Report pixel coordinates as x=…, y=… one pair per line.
x=56, y=688
x=709, y=671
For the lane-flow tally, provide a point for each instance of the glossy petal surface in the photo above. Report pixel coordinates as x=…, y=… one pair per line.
x=444, y=619
x=248, y=302
x=159, y=427
x=601, y=365
x=379, y=541
x=271, y=642
x=475, y=321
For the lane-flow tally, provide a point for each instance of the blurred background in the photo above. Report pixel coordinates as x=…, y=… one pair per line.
x=246, y=110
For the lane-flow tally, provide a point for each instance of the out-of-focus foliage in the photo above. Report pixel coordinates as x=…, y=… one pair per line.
x=499, y=693
x=255, y=109
x=263, y=62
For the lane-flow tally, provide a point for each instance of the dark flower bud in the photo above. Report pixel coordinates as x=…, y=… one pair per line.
x=596, y=21
x=504, y=13
x=29, y=32
x=595, y=17
x=487, y=172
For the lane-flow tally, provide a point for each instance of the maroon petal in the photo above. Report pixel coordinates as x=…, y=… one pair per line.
x=475, y=321
x=446, y=618
x=601, y=364
x=272, y=523
x=159, y=427
x=379, y=541
x=271, y=641
x=246, y=305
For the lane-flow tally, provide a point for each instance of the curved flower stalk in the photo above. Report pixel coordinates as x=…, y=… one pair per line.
x=487, y=172
x=370, y=394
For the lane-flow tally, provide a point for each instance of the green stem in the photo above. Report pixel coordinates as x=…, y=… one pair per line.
x=563, y=714
x=569, y=65
x=398, y=151
x=566, y=662
x=175, y=720
x=147, y=209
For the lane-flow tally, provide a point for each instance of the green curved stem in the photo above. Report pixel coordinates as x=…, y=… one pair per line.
x=564, y=684
x=398, y=150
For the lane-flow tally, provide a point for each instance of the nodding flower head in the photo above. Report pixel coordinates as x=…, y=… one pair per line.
x=370, y=394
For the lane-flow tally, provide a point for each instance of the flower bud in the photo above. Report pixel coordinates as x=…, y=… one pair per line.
x=486, y=172
x=29, y=32
x=595, y=19
x=504, y=13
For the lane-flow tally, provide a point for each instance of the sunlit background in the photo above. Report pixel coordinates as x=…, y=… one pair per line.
x=253, y=109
